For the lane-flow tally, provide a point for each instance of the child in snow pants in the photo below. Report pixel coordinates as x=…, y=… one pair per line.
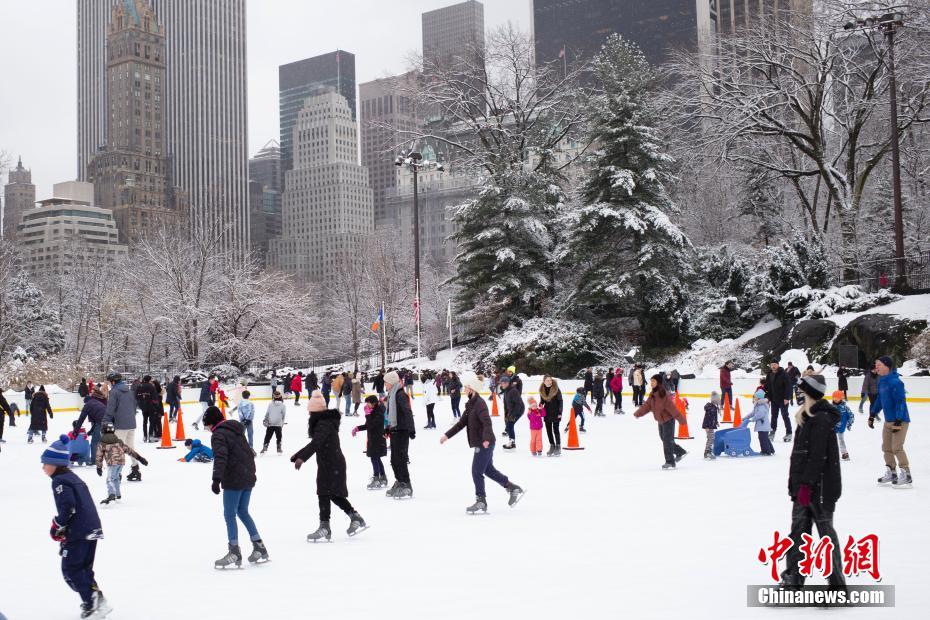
x=535, y=415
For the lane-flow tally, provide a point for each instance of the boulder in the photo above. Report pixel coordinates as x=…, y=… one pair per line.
x=876, y=335
x=812, y=336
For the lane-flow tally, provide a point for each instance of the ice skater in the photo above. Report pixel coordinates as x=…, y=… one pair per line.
x=480, y=434
x=234, y=471
x=113, y=451
x=401, y=429
x=246, y=409
x=710, y=423
x=535, y=416
x=274, y=421
x=197, y=452
x=40, y=410
x=76, y=527
x=579, y=404
x=663, y=409
x=846, y=421
x=330, y=468
x=376, y=448
x=761, y=410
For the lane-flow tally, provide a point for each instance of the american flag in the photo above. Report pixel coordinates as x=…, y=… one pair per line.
x=416, y=309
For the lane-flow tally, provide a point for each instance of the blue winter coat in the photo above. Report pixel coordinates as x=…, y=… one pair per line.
x=75, y=507
x=121, y=407
x=891, y=400
x=760, y=413
x=846, y=418
x=197, y=448
x=94, y=409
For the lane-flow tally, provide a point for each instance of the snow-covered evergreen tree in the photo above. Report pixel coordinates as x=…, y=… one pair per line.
x=631, y=259
x=797, y=262
x=27, y=321
x=762, y=205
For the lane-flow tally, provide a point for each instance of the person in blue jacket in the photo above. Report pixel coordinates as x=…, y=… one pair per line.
x=761, y=410
x=76, y=527
x=891, y=401
x=198, y=452
x=845, y=423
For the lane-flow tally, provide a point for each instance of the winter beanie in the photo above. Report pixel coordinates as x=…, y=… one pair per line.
x=212, y=416
x=391, y=378
x=57, y=454
x=715, y=397
x=504, y=379
x=317, y=402
x=839, y=396
x=759, y=395
x=471, y=380
x=512, y=369
x=814, y=386
x=887, y=361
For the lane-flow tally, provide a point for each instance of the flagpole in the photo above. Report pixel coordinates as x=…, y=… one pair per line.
x=383, y=340
x=417, y=304
x=449, y=315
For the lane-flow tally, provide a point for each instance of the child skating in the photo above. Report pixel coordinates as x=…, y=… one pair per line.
x=579, y=404
x=710, y=424
x=112, y=451
x=535, y=415
x=197, y=452
x=760, y=414
x=330, y=468
x=376, y=448
x=846, y=421
x=246, y=409
x=480, y=434
x=76, y=528
x=274, y=421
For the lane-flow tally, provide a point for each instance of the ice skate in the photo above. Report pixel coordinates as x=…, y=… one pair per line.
x=97, y=608
x=708, y=455
x=264, y=449
x=109, y=498
x=374, y=484
x=551, y=451
x=904, y=481
x=404, y=491
x=668, y=466
x=259, y=553
x=890, y=477
x=322, y=533
x=680, y=456
x=516, y=494
x=510, y=446
x=480, y=507
x=280, y=451
x=135, y=475
x=788, y=438
x=357, y=525
x=845, y=456
x=383, y=482
x=390, y=492
x=196, y=426
x=232, y=557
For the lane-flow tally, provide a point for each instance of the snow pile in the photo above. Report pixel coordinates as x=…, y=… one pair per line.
x=806, y=302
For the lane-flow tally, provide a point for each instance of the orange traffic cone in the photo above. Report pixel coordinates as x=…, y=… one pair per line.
x=494, y=412
x=165, y=434
x=179, y=428
x=727, y=419
x=737, y=418
x=573, y=434
x=682, y=426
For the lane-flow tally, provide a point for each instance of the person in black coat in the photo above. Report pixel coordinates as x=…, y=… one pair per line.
x=145, y=400
x=311, y=383
x=173, y=398
x=40, y=410
x=513, y=409
x=454, y=387
x=330, y=467
x=477, y=423
x=83, y=390
x=95, y=407
x=234, y=471
x=597, y=393
x=401, y=430
x=551, y=397
x=4, y=411
x=843, y=381
x=777, y=386
x=378, y=384
x=814, y=480
x=588, y=382
x=376, y=447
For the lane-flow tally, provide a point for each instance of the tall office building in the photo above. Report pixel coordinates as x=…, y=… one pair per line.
x=92, y=19
x=580, y=27
x=385, y=109
x=298, y=80
x=206, y=121
x=327, y=204
x=265, y=183
x=131, y=175
x=265, y=167
x=19, y=194
x=451, y=31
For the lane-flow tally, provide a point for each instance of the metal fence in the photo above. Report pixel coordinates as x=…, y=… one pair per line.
x=875, y=275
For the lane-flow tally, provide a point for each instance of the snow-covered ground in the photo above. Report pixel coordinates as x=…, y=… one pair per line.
x=601, y=533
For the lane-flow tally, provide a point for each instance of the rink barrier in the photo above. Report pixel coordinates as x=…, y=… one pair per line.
x=853, y=398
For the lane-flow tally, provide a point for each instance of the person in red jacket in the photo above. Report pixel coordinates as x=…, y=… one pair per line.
x=616, y=386
x=726, y=382
x=662, y=405
x=297, y=384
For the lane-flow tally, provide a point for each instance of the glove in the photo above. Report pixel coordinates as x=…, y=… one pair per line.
x=413, y=434
x=142, y=460
x=58, y=532
x=216, y=487
x=804, y=495
x=297, y=463
x=51, y=415
x=850, y=423
x=182, y=460
x=896, y=426
x=99, y=471
x=871, y=421
x=354, y=431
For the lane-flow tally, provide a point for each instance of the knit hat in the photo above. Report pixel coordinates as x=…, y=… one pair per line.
x=212, y=416
x=759, y=395
x=316, y=403
x=814, y=386
x=887, y=361
x=512, y=369
x=504, y=379
x=838, y=395
x=715, y=397
x=391, y=378
x=532, y=401
x=57, y=454
x=470, y=380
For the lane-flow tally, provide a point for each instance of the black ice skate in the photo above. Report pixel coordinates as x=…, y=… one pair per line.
x=480, y=507
x=264, y=449
x=357, y=525
x=135, y=475
x=97, y=608
x=404, y=491
x=669, y=466
x=374, y=484
x=259, y=553
x=788, y=438
x=232, y=557
x=322, y=533
x=516, y=494
x=390, y=492
x=110, y=498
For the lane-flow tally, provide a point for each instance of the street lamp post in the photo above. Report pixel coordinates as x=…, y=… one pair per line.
x=413, y=161
x=888, y=24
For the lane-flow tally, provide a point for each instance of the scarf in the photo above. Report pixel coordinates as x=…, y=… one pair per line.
x=392, y=404
x=547, y=394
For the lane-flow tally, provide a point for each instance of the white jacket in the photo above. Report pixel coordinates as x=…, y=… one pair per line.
x=431, y=393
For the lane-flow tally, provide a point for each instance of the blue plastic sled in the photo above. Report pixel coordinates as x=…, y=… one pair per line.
x=733, y=442
x=79, y=450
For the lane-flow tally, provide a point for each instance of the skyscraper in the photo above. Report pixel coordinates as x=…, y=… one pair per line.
x=265, y=167
x=92, y=19
x=580, y=27
x=384, y=110
x=206, y=122
x=327, y=202
x=131, y=175
x=298, y=80
x=19, y=194
x=265, y=183
x=452, y=31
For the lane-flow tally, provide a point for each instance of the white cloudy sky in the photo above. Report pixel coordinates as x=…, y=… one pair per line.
x=38, y=114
